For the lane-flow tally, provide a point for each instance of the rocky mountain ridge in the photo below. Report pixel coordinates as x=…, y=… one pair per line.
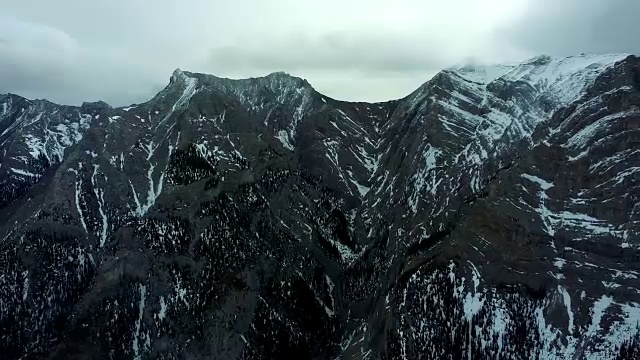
x=492, y=213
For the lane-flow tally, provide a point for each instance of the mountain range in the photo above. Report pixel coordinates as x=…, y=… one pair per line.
x=493, y=213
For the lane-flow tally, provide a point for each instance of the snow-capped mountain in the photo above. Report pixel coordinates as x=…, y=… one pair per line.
x=491, y=214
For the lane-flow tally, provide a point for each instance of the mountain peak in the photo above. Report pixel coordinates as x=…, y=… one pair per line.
x=178, y=75
x=12, y=96
x=95, y=105
x=539, y=60
x=279, y=74
x=282, y=76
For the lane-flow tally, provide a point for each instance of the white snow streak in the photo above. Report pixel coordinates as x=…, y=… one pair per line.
x=597, y=312
x=425, y=177
x=24, y=173
x=78, y=189
x=163, y=309
x=567, y=304
x=545, y=185
x=363, y=190
x=188, y=92
x=587, y=133
x=101, y=205
x=283, y=136
x=136, y=336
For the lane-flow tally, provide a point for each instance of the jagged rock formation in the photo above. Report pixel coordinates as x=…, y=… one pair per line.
x=493, y=213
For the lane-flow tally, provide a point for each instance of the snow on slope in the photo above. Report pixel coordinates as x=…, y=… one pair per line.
x=565, y=79
x=483, y=135
x=482, y=74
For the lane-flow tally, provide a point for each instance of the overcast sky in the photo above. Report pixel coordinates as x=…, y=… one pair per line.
x=123, y=51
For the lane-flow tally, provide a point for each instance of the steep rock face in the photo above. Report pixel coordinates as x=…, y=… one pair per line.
x=492, y=213
x=34, y=136
x=542, y=257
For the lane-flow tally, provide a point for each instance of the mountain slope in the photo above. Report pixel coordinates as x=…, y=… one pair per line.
x=492, y=214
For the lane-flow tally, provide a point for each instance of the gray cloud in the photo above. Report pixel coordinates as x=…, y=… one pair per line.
x=39, y=61
x=334, y=52
x=123, y=51
x=345, y=66
x=569, y=27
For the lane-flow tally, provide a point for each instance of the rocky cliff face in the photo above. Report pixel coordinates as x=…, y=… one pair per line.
x=493, y=213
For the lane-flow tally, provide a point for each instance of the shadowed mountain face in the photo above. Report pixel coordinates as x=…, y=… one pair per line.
x=491, y=214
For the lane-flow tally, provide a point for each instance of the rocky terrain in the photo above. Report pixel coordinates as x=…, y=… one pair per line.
x=491, y=214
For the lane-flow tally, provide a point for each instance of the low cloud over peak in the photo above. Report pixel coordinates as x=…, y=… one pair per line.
x=123, y=52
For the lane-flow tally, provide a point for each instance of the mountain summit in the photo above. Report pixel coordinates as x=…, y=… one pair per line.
x=493, y=213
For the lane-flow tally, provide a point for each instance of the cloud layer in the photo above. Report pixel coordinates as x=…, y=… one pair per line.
x=124, y=51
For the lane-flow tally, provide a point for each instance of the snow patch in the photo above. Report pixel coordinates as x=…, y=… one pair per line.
x=25, y=173
x=545, y=185
x=363, y=190
x=283, y=136
x=163, y=309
